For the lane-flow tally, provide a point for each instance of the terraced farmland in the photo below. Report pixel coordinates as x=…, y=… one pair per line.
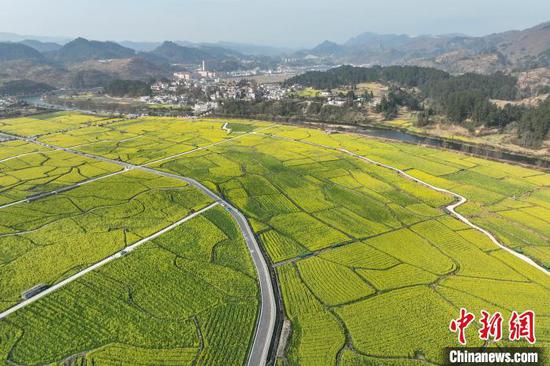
x=45, y=240
x=370, y=264
x=27, y=170
x=356, y=242
x=144, y=140
x=166, y=303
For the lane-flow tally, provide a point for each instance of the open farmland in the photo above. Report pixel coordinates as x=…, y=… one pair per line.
x=147, y=139
x=509, y=200
x=370, y=264
x=27, y=170
x=188, y=297
x=46, y=240
x=43, y=124
x=355, y=243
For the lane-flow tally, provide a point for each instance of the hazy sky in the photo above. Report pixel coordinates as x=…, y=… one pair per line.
x=275, y=22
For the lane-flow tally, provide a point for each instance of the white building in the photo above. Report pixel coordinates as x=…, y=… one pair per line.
x=204, y=73
x=182, y=76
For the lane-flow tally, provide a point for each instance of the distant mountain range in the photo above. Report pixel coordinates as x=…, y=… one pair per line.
x=85, y=63
x=18, y=51
x=13, y=37
x=41, y=46
x=81, y=50
x=179, y=54
x=507, y=51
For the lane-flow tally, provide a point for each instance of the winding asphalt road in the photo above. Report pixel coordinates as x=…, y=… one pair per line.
x=266, y=319
x=451, y=208
x=265, y=324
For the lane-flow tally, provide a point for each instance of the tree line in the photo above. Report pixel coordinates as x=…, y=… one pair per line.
x=463, y=99
x=291, y=110
x=128, y=88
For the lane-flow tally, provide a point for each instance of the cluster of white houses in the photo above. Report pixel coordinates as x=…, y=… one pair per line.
x=203, y=89
x=200, y=73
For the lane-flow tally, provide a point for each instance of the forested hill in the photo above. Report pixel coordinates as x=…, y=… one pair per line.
x=462, y=99
x=350, y=75
x=432, y=82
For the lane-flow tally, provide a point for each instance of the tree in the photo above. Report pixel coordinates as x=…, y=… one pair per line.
x=534, y=125
x=128, y=88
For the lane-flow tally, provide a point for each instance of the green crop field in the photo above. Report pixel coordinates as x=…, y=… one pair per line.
x=50, y=123
x=377, y=239
x=45, y=240
x=27, y=170
x=143, y=140
x=370, y=264
x=189, y=297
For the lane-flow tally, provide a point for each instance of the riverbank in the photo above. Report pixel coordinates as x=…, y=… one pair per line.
x=396, y=133
x=495, y=138
x=478, y=148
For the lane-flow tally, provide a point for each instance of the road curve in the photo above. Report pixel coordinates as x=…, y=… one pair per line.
x=101, y=263
x=265, y=324
x=451, y=208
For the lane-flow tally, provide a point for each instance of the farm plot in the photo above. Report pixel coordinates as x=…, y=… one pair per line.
x=400, y=244
x=310, y=204
x=317, y=335
x=145, y=139
x=488, y=185
x=44, y=241
x=152, y=306
x=49, y=123
x=357, y=247
x=441, y=252
x=27, y=170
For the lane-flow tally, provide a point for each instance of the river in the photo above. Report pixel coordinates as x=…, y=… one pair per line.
x=397, y=135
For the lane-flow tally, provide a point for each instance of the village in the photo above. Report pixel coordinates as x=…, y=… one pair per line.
x=204, y=90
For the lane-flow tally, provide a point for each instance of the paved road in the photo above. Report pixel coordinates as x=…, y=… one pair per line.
x=4, y=137
x=225, y=128
x=101, y=263
x=451, y=208
x=22, y=155
x=62, y=189
x=265, y=325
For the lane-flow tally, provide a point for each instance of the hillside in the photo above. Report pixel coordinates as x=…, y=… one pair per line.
x=505, y=51
x=82, y=49
x=16, y=51
x=78, y=64
x=41, y=46
x=24, y=87
x=179, y=54
x=135, y=68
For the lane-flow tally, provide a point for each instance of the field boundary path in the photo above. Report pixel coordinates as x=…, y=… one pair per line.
x=126, y=166
x=451, y=208
x=103, y=262
x=265, y=324
x=225, y=128
x=62, y=189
